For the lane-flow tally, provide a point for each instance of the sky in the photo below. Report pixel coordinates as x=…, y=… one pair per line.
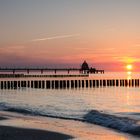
x=64, y=33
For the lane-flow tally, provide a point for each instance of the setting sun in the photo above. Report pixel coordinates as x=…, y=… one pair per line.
x=129, y=67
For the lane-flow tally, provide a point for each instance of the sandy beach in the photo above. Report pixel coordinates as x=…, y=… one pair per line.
x=16, y=133
x=13, y=133
x=14, y=126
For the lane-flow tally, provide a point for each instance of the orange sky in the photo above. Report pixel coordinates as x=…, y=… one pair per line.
x=46, y=33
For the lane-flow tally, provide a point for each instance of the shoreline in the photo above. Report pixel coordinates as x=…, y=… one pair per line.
x=12, y=132
x=17, y=126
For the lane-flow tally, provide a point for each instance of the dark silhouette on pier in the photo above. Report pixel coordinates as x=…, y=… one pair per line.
x=84, y=69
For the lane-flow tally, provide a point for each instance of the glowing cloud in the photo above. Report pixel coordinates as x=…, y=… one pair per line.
x=56, y=37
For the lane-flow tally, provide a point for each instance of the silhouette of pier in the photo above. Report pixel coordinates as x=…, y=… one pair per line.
x=84, y=69
x=53, y=81
x=28, y=70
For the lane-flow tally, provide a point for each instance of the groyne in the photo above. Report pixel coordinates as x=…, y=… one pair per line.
x=62, y=82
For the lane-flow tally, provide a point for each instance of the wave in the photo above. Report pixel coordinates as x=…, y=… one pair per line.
x=123, y=124
x=34, y=112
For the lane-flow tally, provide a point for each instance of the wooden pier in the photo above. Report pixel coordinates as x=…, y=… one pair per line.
x=84, y=69
x=42, y=70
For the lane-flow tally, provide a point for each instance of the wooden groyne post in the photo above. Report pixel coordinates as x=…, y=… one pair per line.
x=15, y=83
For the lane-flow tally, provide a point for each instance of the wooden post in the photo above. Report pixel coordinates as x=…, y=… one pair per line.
x=93, y=83
x=104, y=83
x=56, y=84
x=83, y=84
x=48, y=84
x=75, y=83
x=97, y=83
x=68, y=83
x=8, y=84
x=72, y=84
x=1, y=84
x=117, y=82
x=101, y=83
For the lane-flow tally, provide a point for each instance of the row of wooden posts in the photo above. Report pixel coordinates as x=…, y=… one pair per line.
x=61, y=84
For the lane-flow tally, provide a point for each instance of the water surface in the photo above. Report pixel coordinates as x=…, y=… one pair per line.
x=113, y=107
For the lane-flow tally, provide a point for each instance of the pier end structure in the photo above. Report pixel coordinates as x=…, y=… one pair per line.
x=85, y=69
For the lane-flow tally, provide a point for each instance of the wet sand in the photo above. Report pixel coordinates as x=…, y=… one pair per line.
x=14, y=133
x=2, y=118
x=15, y=126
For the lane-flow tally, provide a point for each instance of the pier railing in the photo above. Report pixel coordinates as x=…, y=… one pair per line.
x=38, y=75
x=42, y=70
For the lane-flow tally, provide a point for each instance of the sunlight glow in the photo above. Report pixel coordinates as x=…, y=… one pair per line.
x=129, y=67
x=129, y=72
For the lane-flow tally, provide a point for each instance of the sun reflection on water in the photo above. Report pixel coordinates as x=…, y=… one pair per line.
x=129, y=71
x=129, y=75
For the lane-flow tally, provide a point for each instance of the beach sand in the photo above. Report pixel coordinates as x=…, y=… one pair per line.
x=14, y=133
x=14, y=126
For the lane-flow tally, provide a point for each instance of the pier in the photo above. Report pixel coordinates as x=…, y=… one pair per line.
x=54, y=70
x=84, y=69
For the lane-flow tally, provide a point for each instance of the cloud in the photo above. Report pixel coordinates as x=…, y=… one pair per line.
x=56, y=37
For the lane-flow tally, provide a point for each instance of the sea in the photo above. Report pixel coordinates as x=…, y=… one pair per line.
x=115, y=107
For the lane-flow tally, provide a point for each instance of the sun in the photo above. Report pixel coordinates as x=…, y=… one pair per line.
x=129, y=67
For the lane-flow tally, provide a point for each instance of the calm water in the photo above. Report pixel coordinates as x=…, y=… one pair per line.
x=114, y=107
